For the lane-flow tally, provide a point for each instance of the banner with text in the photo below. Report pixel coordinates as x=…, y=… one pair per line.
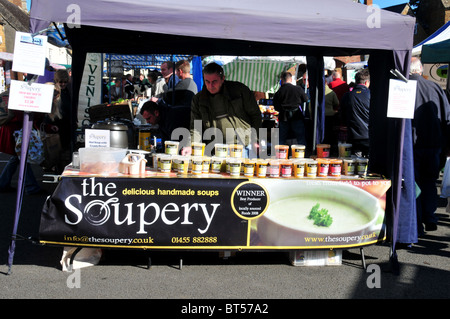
x=91, y=87
x=206, y=213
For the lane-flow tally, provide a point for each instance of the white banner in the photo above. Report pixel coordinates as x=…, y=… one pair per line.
x=91, y=86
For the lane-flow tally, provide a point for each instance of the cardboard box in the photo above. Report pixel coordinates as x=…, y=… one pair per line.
x=313, y=257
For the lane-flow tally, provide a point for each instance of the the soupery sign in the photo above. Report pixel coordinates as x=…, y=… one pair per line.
x=33, y=97
x=207, y=213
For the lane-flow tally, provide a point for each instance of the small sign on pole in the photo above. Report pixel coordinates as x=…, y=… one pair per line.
x=33, y=97
x=402, y=99
x=29, y=53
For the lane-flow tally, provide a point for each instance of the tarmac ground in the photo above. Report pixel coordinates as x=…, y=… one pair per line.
x=197, y=277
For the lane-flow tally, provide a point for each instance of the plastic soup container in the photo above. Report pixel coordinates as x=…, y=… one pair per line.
x=311, y=168
x=235, y=166
x=348, y=166
x=282, y=151
x=171, y=147
x=221, y=150
x=249, y=167
x=323, y=150
x=335, y=167
x=206, y=164
x=323, y=166
x=261, y=168
x=298, y=151
x=361, y=166
x=286, y=168
x=345, y=150
x=198, y=149
x=274, y=168
x=216, y=164
x=236, y=150
x=165, y=162
x=183, y=165
x=197, y=165
x=299, y=168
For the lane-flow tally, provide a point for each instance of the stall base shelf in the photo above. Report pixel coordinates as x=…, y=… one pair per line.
x=224, y=254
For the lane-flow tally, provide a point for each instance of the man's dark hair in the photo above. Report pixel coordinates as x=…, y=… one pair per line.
x=169, y=64
x=153, y=76
x=285, y=76
x=150, y=107
x=362, y=76
x=212, y=68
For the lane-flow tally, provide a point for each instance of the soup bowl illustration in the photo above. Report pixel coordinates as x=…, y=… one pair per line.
x=356, y=215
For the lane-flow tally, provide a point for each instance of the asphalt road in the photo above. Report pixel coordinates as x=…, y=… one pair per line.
x=36, y=272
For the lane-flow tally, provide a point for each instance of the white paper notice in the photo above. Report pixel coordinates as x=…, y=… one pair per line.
x=29, y=53
x=31, y=98
x=402, y=99
x=97, y=138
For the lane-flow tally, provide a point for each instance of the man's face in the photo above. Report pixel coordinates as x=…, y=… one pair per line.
x=213, y=82
x=62, y=84
x=165, y=71
x=150, y=118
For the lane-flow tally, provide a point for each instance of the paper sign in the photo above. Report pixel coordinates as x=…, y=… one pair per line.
x=29, y=53
x=402, y=99
x=31, y=98
x=97, y=138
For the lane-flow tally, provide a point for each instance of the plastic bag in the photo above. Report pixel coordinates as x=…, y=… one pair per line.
x=445, y=186
x=35, y=146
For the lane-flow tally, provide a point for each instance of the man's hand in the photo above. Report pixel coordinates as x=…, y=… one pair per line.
x=186, y=151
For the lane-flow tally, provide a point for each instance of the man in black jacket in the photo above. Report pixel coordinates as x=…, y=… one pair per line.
x=288, y=101
x=430, y=143
x=355, y=107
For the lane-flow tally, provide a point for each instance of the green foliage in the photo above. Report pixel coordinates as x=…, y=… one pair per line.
x=320, y=216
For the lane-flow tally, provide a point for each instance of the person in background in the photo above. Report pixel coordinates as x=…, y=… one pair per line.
x=331, y=109
x=128, y=87
x=223, y=105
x=68, y=122
x=183, y=71
x=167, y=118
x=7, y=144
x=339, y=86
x=185, y=89
x=430, y=144
x=288, y=101
x=157, y=85
x=116, y=91
x=170, y=78
x=355, y=107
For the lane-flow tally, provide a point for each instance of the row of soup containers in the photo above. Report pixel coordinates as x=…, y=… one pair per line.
x=294, y=167
x=236, y=150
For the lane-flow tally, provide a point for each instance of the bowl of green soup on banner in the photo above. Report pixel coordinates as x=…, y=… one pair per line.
x=318, y=213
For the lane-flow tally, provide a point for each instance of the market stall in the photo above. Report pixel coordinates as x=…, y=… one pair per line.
x=175, y=29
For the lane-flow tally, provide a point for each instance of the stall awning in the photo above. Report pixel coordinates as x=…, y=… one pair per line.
x=442, y=34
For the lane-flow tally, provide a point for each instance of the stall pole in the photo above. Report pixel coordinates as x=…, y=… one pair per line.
x=399, y=181
x=27, y=125
x=316, y=104
x=109, y=79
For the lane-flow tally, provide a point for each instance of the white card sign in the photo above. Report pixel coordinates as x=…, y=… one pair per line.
x=97, y=138
x=33, y=97
x=29, y=53
x=402, y=99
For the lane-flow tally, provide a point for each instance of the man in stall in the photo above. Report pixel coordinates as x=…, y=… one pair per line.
x=223, y=105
